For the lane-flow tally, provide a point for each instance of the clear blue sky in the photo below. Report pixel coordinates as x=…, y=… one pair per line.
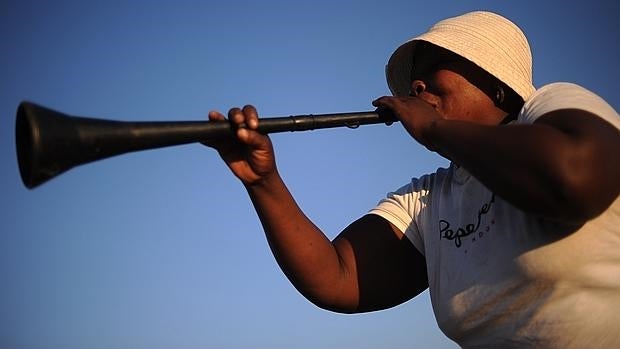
x=162, y=249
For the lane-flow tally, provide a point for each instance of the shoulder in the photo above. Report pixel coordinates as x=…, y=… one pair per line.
x=564, y=95
x=406, y=201
x=412, y=197
x=426, y=182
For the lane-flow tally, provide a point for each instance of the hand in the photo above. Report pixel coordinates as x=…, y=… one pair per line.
x=416, y=115
x=249, y=154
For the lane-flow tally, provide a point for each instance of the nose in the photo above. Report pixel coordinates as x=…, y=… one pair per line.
x=417, y=87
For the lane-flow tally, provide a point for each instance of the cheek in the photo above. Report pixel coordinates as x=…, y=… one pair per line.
x=468, y=105
x=455, y=107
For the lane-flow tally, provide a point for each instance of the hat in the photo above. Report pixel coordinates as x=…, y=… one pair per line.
x=487, y=39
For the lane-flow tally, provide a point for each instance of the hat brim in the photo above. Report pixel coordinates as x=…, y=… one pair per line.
x=398, y=69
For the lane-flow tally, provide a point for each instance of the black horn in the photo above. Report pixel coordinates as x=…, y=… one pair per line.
x=50, y=142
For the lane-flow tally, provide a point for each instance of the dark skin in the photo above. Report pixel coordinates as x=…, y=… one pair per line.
x=560, y=168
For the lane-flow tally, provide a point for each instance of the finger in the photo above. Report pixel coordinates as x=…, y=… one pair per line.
x=251, y=116
x=236, y=116
x=216, y=115
x=395, y=104
x=379, y=102
x=385, y=102
x=253, y=139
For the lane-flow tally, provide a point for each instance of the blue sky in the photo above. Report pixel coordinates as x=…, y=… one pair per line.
x=161, y=248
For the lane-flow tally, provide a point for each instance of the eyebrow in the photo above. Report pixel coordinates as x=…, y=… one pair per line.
x=432, y=56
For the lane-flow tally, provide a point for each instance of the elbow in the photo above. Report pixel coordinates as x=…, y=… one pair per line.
x=574, y=203
x=582, y=165
x=333, y=305
x=583, y=188
x=329, y=296
x=335, y=308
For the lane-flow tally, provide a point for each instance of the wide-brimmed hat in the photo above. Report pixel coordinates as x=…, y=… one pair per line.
x=487, y=39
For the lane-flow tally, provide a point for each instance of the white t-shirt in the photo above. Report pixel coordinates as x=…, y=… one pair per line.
x=502, y=278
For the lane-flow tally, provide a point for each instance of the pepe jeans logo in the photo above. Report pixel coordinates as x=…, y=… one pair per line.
x=457, y=235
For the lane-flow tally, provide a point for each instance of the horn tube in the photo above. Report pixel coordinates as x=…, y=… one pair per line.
x=49, y=142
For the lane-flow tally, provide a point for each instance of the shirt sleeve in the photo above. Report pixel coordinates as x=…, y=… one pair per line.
x=399, y=208
x=564, y=95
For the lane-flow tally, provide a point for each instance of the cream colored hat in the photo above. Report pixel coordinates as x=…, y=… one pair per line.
x=489, y=40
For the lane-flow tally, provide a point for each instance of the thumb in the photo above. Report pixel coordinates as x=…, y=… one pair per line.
x=253, y=139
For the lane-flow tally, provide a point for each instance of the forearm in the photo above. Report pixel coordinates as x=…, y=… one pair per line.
x=538, y=168
x=315, y=266
x=307, y=257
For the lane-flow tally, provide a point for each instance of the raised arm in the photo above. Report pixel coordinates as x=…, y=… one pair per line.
x=565, y=166
x=369, y=266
